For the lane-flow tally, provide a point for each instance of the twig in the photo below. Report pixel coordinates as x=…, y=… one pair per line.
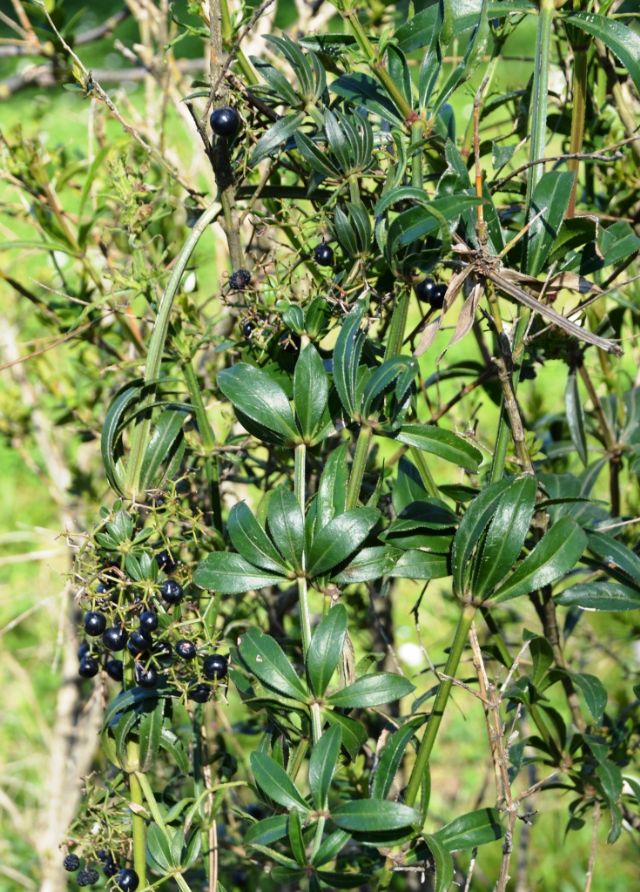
x=594, y=847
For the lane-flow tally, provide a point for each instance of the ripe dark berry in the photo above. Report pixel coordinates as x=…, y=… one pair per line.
x=239, y=279
x=94, y=623
x=165, y=561
x=431, y=293
x=247, y=328
x=323, y=255
x=83, y=649
x=88, y=667
x=186, y=649
x=200, y=693
x=171, y=591
x=101, y=588
x=146, y=678
x=110, y=868
x=148, y=621
x=114, y=638
x=437, y=301
x=102, y=855
x=139, y=642
x=87, y=877
x=114, y=669
x=225, y=121
x=71, y=863
x=215, y=666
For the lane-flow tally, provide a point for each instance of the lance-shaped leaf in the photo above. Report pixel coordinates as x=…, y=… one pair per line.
x=622, y=40
x=354, y=734
x=575, y=416
x=275, y=136
x=165, y=446
x=473, y=829
x=442, y=443
x=415, y=564
x=391, y=757
x=255, y=394
x=442, y=862
x=331, y=497
x=615, y=555
x=600, y=596
x=373, y=816
x=325, y=648
x=472, y=526
x=340, y=538
x=505, y=535
x=322, y=765
x=231, y=574
x=594, y=693
x=549, y=204
x=310, y=390
x=250, y=539
x=389, y=372
x=286, y=525
x=556, y=553
x=264, y=657
x=368, y=564
x=112, y=430
x=372, y=690
x=274, y=781
x=346, y=359
x=269, y=830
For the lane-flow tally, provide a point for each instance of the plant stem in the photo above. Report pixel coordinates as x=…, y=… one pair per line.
x=579, y=90
x=145, y=787
x=440, y=703
x=138, y=826
x=212, y=468
x=502, y=438
x=358, y=465
x=141, y=431
x=425, y=474
x=539, y=97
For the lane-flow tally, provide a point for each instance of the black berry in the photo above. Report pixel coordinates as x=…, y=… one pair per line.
x=114, y=638
x=431, y=293
x=225, y=121
x=139, y=642
x=165, y=561
x=148, y=621
x=87, y=877
x=88, y=667
x=239, y=279
x=83, y=649
x=186, y=649
x=102, y=855
x=247, y=328
x=146, y=678
x=109, y=868
x=71, y=863
x=200, y=693
x=323, y=255
x=171, y=591
x=215, y=666
x=94, y=623
x=114, y=669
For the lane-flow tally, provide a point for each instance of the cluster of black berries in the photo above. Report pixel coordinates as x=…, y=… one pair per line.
x=126, y=879
x=432, y=293
x=239, y=279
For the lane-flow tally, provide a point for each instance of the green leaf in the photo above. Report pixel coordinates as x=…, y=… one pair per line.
x=331, y=846
x=231, y=574
x=110, y=438
x=442, y=443
x=275, y=136
x=616, y=554
x=556, y=553
x=594, y=693
x=249, y=538
x=274, y=781
x=296, y=840
x=367, y=565
x=416, y=564
x=267, y=831
x=314, y=156
x=384, y=376
x=164, y=444
x=373, y=815
x=551, y=196
x=442, y=862
x=322, y=765
x=575, y=416
x=623, y=41
x=354, y=734
x=421, y=30
x=332, y=880
x=363, y=90
x=468, y=831
x=391, y=757
x=149, y=731
x=331, y=497
x=159, y=849
x=600, y=596
x=325, y=648
x=340, y=538
x=254, y=393
x=264, y=657
x=346, y=359
x=372, y=690
x=611, y=779
x=286, y=525
x=310, y=390
x=505, y=535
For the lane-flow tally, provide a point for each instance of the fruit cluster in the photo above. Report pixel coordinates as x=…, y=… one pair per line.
x=125, y=877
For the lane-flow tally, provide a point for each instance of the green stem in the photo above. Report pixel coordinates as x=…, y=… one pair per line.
x=417, y=179
x=425, y=474
x=358, y=465
x=152, y=804
x=212, y=469
x=539, y=97
x=579, y=90
x=503, y=436
x=138, y=827
x=440, y=703
x=141, y=432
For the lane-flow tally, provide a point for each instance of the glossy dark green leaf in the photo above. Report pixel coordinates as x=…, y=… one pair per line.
x=126, y=397
x=391, y=757
x=296, y=840
x=264, y=657
x=310, y=390
x=622, y=40
x=258, y=396
x=616, y=555
x=331, y=846
x=315, y=156
x=372, y=690
x=231, y=574
x=600, y=596
x=250, y=539
x=473, y=829
x=325, y=648
x=172, y=744
x=330, y=879
x=286, y=525
x=575, y=416
x=594, y=693
x=384, y=377
x=331, y=497
x=551, y=197
x=373, y=815
x=289, y=868
x=274, y=781
x=367, y=565
x=505, y=535
x=416, y=564
x=340, y=538
x=269, y=830
x=131, y=699
x=149, y=731
x=346, y=359
x=442, y=862
x=363, y=90
x=611, y=779
x=421, y=30
x=275, y=136
x=159, y=849
x=323, y=764
x=441, y=442
x=557, y=552
x=354, y=734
